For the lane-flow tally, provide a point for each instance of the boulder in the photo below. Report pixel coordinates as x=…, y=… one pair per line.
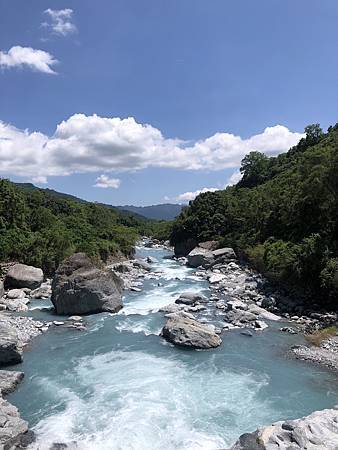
x=10, y=348
x=9, y=380
x=13, y=430
x=209, y=245
x=224, y=254
x=319, y=431
x=142, y=265
x=184, y=247
x=190, y=333
x=216, y=278
x=22, y=276
x=2, y=289
x=79, y=287
x=263, y=313
x=15, y=294
x=190, y=298
x=200, y=257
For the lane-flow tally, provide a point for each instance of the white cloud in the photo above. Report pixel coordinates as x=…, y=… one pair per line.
x=60, y=21
x=39, y=180
x=105, y=182
x=187, y=196
x=83, y=144
x=234, y=178
x=37, y=60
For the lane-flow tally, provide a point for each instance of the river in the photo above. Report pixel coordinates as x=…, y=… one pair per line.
x=120, y=386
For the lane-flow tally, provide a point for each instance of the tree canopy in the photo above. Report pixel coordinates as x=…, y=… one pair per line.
x=282, y=215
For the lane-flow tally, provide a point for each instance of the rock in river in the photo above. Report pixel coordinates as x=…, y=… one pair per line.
x=319, y=431
x=79, y=287
x=190, y=333
x=190, y=298
x=22, y=276
x=10, y=348
x=199, y=257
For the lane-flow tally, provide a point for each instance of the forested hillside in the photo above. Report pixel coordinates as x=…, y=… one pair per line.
x=282, y=215
x=40, y=228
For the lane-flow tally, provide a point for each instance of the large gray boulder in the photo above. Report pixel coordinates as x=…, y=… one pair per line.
x=79, y=287
x=2, y=289
x=10, y=346
x=200, y=257
x=187, y=332
x=22, y=276
x=318, y=431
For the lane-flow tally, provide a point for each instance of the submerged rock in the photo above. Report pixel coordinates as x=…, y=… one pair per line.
x=319, y=431
x=22, y=276
x=190, y=333
x=79, y=287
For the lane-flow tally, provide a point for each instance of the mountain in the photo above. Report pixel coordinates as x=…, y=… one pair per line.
x=165, y=211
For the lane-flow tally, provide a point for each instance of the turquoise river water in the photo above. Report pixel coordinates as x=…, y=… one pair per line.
x=120, y=386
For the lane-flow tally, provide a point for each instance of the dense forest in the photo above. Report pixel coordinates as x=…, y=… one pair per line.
x=281, y=216
x=40, y=227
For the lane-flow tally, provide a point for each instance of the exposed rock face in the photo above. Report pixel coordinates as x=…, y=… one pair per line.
x=22, y=276
x=10, y=348
x=79, y=287
x=318, y=431
x=190, y=333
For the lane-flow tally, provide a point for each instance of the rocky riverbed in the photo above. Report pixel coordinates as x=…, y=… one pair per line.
x=238, y=299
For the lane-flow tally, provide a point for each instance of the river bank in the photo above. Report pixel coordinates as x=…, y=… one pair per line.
x=109, y=341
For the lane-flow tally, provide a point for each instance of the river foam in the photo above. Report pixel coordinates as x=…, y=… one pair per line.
x=137, y=401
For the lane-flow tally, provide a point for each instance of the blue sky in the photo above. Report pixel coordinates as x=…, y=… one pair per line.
x=213, y=79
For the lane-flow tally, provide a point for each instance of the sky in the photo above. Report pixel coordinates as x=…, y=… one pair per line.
x=150, y=101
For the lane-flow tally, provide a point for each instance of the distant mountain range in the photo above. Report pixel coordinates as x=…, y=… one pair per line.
x=165, y=211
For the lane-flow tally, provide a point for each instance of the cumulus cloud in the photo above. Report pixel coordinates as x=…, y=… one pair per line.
x=39, y=180
x=187, y=196
x=60, y=21
x=103, y=181
x=234, y=178
x=83, y=144
x=37, y=60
